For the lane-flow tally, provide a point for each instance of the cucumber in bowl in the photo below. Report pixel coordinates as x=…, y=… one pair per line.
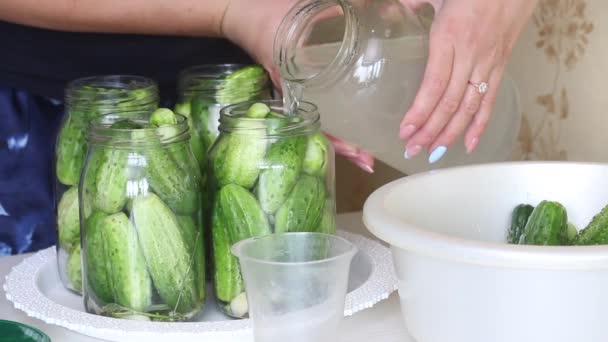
x=547, y=225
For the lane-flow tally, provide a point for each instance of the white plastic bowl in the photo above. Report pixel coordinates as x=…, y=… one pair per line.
x=459, y=281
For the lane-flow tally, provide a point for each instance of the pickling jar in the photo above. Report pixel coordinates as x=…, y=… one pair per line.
x=361, y=62
x=271, y=170
x=85, y=99
x=143, y=251
x=202, y=91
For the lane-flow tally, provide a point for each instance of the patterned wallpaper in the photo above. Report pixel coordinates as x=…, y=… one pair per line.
x=559, y=66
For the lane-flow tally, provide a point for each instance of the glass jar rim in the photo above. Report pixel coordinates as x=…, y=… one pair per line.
x=106, y=94
x=294, y=24
x=207, y=79
x=309, y=119
x=101, y=133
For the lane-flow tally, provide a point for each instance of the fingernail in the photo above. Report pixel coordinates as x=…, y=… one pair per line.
x=407, y=132
x=437, y=153
x=365, y=167
x=472, y=144
x=412, y=152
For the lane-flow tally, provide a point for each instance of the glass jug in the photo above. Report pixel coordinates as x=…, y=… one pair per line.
x=361, y=62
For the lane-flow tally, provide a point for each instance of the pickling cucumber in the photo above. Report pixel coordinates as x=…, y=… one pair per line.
x=129, y=278
x=519, y=218
x=547, y=225
x=168, y=256
x=317, y=155
x=242, y=214
x=68, y=223
x=228, y=280
x=596, y=232
x=111, y=181
x=303, y=209
x=283, y=167
x=98, y=265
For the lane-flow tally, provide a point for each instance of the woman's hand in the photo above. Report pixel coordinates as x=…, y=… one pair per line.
x=470, y=41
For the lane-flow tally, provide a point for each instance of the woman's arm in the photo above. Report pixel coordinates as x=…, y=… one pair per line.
x=160, y=17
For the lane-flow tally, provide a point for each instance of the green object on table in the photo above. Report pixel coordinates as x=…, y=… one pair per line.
x=18, y=332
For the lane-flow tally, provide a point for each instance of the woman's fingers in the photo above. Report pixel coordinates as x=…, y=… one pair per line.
x=469, y=107
x=434, y=83
x=481, y=119
x=446, y=107
x=363, y=159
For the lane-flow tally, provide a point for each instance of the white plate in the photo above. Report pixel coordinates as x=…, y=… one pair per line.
x=34, y=288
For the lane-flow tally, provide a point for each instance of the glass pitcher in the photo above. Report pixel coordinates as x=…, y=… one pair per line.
x=361, y=62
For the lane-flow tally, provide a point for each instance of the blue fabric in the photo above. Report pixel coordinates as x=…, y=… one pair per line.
x=28, y=129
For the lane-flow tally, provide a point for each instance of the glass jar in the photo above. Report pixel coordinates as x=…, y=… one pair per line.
x=361, y=62
x=270, y=170
x=202, y=91
x=141, y=220
x=85, y=99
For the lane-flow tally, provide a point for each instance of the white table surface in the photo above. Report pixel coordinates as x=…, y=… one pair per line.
x=382, y=322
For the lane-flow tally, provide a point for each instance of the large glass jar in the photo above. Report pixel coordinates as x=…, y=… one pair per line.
x=361, y=62
x=202, y=91
x=271, y=170
x=85, y=99
x=141, y=220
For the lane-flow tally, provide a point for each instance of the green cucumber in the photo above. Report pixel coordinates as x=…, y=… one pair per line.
x=317, y=155
x=283, y=167
x=547, y=225
x=111, y=181
x=228, y=280
x=198, y=149
x=68, y=222
x=89, y=185
x=519, y=218
x=258, y=110
x=129, y=278
x=303, y=209
x=243, y=157
x=166, y=178
x=163, y=117
x=74, y=268
x=71, y=149
x=98, y=265
x=243, y=215
x=167, y=254
x=596, y=232
x=240, y=85
x=572, y=232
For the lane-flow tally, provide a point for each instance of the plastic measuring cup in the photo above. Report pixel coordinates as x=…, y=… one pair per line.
x=296, y=284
